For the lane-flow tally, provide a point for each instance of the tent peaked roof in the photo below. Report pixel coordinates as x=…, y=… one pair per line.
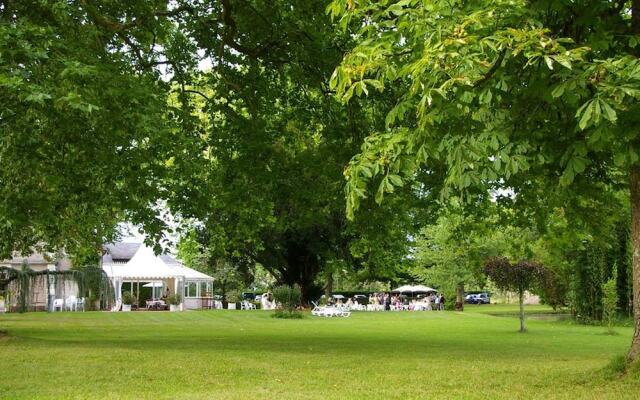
x=146, y=265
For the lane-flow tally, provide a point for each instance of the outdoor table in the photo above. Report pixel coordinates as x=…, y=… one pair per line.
x=155, y=304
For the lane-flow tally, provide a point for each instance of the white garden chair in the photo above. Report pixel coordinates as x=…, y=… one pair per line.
x=70, y=303
x=247, y=305
x=317, y=310
x=326, y=311
x=80, y=304
x=58, y=304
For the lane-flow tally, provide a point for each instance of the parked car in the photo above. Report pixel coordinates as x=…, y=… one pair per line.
x=248, y=296
x=478, y=298
x=483, y=298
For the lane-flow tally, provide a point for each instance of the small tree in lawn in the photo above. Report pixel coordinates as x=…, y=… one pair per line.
x=287, y=298
x=519, y=277
x=609, y=302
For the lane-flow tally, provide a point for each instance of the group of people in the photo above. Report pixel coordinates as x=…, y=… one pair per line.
x=395, y=302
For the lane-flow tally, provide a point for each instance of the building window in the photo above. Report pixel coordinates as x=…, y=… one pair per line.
x=191, y=289
x=205, y=289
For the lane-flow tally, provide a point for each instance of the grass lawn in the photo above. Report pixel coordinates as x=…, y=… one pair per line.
x=248, y=355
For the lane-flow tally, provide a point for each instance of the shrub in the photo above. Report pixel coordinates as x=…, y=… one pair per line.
x=287, y=314
x=173, y=299
x=127, y=298
x=287, y=298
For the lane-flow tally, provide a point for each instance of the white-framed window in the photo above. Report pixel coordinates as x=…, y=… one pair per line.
x=205, y=289
x=198, y=289
x=191, y=289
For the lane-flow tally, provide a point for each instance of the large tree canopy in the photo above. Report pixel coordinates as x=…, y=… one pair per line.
x=84, y=121
x=504, y=93
x=219, y=109
x=267, y=170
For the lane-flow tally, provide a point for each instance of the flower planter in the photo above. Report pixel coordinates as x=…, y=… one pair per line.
x=174, y=307
x=126, y=307
x=2, y=306
x=231, y=306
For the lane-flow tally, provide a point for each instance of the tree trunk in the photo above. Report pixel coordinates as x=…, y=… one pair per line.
x=225, y=301
x=302, y=267
x=460, y=297
x=328, y=289
x=521, y=301
x=634, y=188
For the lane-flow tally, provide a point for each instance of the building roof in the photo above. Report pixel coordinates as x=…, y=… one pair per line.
x=190, y=273
x=62, y=262
x=34, y=258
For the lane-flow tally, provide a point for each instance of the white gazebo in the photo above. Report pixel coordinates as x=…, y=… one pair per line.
x=137, y=265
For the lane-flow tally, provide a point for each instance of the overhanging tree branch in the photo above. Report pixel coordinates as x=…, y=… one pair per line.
x=229, y=37
x=494, y=68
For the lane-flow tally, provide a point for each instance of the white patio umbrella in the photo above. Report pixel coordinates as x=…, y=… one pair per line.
x=414, y=289
x=423, y=289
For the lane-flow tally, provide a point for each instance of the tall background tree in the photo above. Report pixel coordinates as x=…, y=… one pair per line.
x=450, y=253
x=265, y=176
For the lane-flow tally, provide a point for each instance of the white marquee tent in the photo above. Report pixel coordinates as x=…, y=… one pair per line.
x=146, y=267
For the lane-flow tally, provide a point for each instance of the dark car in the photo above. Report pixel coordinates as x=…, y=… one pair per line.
x=248, y=296
x=470, y=299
